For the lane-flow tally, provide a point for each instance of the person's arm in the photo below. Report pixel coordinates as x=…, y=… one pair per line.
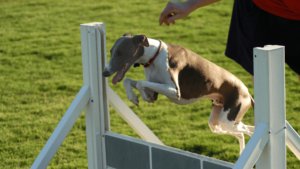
x=178, y=10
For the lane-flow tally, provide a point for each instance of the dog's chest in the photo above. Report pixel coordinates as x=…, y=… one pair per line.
x=157, y=75
x=159, y=72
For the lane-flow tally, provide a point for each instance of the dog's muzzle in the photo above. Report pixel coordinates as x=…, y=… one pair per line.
x=105, y=73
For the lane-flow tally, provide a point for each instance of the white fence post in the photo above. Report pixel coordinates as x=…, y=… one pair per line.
x=96, y=112
x=269, y=85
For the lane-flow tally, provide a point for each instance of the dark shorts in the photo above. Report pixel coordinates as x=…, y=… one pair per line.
x=253, y=27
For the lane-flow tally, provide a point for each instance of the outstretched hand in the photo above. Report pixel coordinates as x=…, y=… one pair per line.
x=173, y=11
x=178, y=10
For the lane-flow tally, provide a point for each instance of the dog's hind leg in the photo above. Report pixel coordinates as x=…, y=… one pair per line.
x=236, y=127
x=245, y=103
x=240, y=137
x=250, y=128
x=219, y=124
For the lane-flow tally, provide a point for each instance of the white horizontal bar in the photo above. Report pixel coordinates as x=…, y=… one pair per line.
x=131, y=118
x=254, y=147
x=62, y=129
x=292, y=140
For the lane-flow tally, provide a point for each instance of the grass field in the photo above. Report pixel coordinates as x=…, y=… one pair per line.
x=41, y=73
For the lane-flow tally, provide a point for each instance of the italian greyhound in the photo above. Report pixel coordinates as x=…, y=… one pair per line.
x=184, y=77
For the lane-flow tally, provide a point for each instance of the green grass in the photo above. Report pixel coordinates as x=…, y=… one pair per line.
x=41, y=73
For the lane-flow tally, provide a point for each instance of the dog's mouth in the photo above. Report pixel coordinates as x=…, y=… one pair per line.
x=120, y=74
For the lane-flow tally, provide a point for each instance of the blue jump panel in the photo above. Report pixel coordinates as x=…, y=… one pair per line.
x=209, y=165
x=123, y=152
x=162, y=159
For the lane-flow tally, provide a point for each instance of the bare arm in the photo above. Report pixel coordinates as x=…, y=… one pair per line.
x=178, y=10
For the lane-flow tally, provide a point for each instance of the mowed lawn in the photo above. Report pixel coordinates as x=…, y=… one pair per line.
x=41, y=73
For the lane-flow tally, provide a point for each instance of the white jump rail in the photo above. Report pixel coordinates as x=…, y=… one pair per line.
x=62, y=129
x=108, y=150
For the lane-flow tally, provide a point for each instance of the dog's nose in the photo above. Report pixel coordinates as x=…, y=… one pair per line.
x=105, y=73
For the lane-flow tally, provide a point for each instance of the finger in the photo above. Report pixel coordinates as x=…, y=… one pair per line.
x=163, y=16
x=168, y=17
x=165, y=13
x=171, y=15
x=165, y=21
x=173, y=18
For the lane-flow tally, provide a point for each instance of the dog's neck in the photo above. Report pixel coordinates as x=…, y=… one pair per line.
x=150, y=51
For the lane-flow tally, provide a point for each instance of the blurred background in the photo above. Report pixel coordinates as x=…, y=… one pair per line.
x=41, y=73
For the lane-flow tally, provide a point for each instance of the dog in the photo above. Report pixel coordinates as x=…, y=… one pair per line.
x=184, y=77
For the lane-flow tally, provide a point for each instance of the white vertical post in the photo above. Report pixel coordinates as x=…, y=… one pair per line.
x=101, y=34
x=92, y=51
x=269, y=84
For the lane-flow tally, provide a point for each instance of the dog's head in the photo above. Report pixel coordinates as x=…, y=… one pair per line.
x=124, y=53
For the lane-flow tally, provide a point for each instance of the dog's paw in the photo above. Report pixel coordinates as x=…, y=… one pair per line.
x=148, y=98
x=147, y=94
x=134, y=99
x=151, y=98
x=151, y=94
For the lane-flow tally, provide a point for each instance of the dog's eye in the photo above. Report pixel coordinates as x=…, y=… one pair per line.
x=119, y=52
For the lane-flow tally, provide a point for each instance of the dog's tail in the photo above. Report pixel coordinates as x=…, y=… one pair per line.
x=252, y=100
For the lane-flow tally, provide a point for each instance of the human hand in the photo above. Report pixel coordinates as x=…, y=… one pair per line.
x=173, y=11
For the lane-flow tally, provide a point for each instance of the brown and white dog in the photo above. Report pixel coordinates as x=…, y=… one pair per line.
x=184, y=77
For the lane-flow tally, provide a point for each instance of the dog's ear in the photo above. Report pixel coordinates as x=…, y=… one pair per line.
x=127, y=35
x=141, y=39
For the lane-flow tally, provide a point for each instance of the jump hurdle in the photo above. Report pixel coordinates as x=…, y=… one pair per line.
x=109, y=150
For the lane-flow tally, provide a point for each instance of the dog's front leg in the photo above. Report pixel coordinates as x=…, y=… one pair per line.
x=165, y=89
x=128, y=84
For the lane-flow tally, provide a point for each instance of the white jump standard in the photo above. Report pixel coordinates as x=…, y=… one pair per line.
x=109, y=150
x=267, y=146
